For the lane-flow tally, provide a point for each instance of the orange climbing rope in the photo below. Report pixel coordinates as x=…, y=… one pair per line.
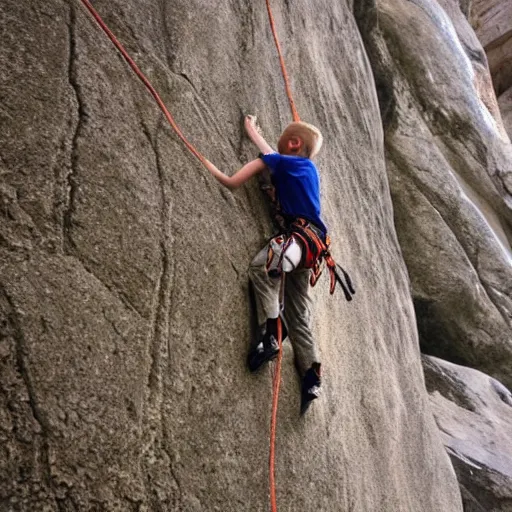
x=277, y=376
x=295, y=114
x=145, y=81
x=273, y=422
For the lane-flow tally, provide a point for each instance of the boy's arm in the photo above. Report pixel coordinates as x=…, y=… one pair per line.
x=252, y=131
x=240, y=177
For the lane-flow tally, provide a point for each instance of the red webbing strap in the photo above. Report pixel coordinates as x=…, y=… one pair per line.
x=144, y=80
x=301, y=229
x=331, y=265
x=319, y=244
x=295, y=114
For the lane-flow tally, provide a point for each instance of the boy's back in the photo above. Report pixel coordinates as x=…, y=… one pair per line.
x=297, y=186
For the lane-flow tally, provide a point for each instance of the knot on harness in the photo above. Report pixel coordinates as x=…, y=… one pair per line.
x=315, y=250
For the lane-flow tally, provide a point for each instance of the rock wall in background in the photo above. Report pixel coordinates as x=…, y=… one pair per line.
x=449, y=161
x=492, y=21
x=123, y=265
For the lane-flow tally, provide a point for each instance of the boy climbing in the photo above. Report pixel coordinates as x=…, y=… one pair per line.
x=296, y=182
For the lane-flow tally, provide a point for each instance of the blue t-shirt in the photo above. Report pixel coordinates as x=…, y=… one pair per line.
x=297, y=186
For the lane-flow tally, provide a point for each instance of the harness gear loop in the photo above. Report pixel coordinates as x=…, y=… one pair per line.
x=284, y=254
x=144, y=80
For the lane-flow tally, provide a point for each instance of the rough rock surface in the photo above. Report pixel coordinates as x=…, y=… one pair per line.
x=474, y=414
x=505, y=103
x=124, y=319
x=449, y=161
x=492, y=21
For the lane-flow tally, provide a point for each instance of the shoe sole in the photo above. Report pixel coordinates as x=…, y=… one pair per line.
x=306, y=402
x=266, y=359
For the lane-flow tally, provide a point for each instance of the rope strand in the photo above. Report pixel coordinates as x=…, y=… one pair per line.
x=277, y=377
x=287, y=86
x=144, y=80
x=273, y=422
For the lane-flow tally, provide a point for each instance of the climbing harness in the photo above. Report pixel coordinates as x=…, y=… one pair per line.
x=302, y=245
x=316, y=252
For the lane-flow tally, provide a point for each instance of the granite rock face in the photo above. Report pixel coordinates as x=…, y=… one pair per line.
x=505, y=103
x=449, y=161
x=123, y=265
x=474, y=413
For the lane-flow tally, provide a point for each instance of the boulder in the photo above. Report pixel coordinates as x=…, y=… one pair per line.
x=474, y=414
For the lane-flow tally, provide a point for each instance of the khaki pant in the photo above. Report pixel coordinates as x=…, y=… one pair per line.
x=297, y=307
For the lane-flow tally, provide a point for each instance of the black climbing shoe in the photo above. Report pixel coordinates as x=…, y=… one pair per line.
x=311, y=386
x=265, y=350
x=268, y=346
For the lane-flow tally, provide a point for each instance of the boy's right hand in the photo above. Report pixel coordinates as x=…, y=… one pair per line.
x=254, y=133
x=250, y=123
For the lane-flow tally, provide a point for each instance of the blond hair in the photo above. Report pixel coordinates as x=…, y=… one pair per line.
x=308, y=133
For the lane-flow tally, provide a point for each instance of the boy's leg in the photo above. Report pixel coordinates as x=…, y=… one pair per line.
x=266, y=289
x=297, y=313
x=266, y=292
x=298, y=316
